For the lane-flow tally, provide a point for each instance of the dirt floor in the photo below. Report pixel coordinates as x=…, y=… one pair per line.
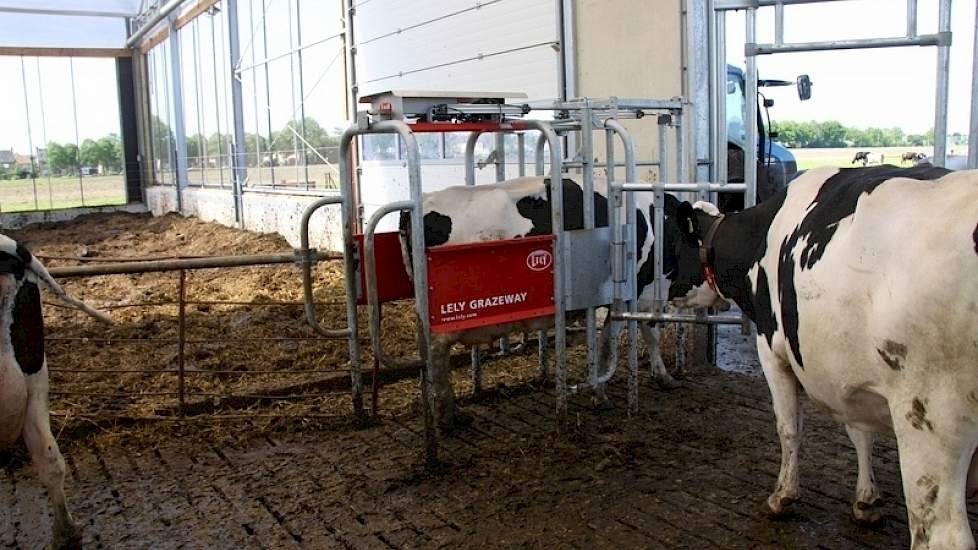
x=691, y=470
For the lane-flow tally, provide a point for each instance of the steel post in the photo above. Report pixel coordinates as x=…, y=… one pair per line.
x=239, y=159
x=943, y=79
x=626, y=260
x=179, y=128
x=750, y=76
x=973, y=129
x=560, y=299
x=470, y=157
x=911, y=18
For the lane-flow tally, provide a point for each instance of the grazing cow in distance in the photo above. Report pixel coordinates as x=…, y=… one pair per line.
x=868, y=157
x=521, y=208
x=871, y=307
x=913, y=157
x=24, y=375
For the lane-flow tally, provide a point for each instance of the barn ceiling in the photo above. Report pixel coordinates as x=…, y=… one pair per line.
x=116, y=8
x=66, y=23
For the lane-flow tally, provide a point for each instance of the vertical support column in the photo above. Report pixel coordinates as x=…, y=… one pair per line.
x=500, y=163
x=499, y=141
x=658, y=218
x=943, y=71
x=353, y=89
x=587, y=168
x=973, y=130
x=911, y=18
x=350, y=262
x=470, y=157
x=750, y=84
x=624, y=258
x=521, y=154
x=720, y=95
x=238, y=158
x=130, y=140
x=179, y=128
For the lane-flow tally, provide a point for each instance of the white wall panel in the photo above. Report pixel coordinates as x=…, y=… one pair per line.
x=504, y=45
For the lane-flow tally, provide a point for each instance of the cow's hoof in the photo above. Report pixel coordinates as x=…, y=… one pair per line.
x=67, y=539
x=602, y=403
x=777, y=505
x=458, y=421
x=667, y=384
x=867, y=513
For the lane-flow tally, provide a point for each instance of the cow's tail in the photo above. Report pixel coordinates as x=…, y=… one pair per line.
x=41, y=272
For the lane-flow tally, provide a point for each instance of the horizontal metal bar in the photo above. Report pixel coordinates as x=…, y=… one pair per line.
x=173, y=265
x=33, y=51
x=679, y=318
x=619, y=103
x=192, y=371
x=682, y=187
x=238, y=70
x=724, y=5
x=855, y=44
x=199, y=418
x=41, y=10
x=578, y=164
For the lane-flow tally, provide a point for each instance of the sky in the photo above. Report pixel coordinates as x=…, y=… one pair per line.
x=860, y=88
x=864, y=88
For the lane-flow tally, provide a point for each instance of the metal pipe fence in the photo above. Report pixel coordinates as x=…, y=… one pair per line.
x=186, y=390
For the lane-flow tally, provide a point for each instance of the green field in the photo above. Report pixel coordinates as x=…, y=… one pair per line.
x=812, y=158
x=61, y=192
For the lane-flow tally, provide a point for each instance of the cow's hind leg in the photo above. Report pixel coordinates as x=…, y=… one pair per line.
x=608, y=334
x=865, y=508
x=661, y=377
x=47, y=459
x=784, y=398
x=935, y=455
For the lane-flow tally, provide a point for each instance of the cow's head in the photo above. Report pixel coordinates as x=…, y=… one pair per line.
x=689, y=285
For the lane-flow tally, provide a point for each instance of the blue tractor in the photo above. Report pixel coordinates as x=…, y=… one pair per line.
x=776, y=165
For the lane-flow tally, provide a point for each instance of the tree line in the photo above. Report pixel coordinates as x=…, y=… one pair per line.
x=67, y=159
x=831, y=133
x=273, y=149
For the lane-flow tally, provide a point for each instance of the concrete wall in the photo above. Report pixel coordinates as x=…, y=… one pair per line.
x=263, y=212
x=16, y=220
x=629, y=48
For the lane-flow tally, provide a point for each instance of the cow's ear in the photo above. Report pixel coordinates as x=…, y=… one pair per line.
x=671, y=205
x=686, y=219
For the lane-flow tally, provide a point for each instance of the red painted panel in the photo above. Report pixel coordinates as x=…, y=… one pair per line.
x=488, y=283
x=393, y=282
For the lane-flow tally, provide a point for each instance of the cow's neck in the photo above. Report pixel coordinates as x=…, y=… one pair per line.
x=738, y=244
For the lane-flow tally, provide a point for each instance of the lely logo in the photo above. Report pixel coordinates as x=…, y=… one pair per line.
x=538, y=260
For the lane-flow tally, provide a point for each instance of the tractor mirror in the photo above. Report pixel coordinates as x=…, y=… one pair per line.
x=804, y=87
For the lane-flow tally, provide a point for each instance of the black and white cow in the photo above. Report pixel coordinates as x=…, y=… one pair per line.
x=521, y=208
x=24, y=374
x=863, y=284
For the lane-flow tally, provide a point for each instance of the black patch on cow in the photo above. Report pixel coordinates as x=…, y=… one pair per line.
x=893, y=354
x=918, y=416
x=767, y=323
x=12, y=264
x=537, y=209
x=27, y=329
x=974, y=237
x=835, y=201
x=437, y=228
